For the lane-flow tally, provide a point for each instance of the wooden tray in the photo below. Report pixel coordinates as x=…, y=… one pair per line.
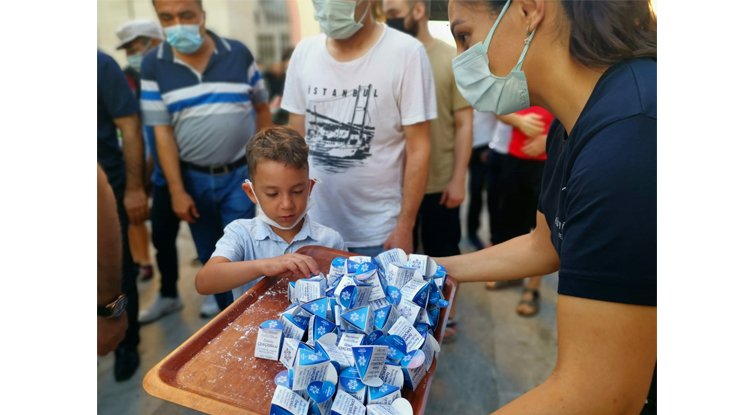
x=214, y=371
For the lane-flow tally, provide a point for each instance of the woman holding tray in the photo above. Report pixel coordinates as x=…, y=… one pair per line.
x=593, y=65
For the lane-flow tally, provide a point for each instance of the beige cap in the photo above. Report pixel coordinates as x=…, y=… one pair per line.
x=135, y=28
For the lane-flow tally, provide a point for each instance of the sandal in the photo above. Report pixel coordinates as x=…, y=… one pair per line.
x=499, y=285
x=532, y=304
x=450, y=334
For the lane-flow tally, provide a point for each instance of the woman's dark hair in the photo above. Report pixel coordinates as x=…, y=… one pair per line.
x=603, y=33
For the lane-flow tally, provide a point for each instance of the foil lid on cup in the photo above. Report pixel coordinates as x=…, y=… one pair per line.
x=369, y=361
x=396, y=347
x=365, y=270
x=338, y=267
x=350, y=381
x=318, y=307
x=393, y=294
x=359, y=318
x=321, y=391
x=284, y=378
x=383, y=394
x=416, y=291
x=319, y=327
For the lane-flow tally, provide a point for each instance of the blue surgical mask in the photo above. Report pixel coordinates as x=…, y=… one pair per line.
x=185, y=38
x=336, y=17
x=484, y=90
x=134, y=61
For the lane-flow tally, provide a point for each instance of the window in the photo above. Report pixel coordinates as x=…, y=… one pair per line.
x=266, y=49
x=274, y=10
x=284, y=41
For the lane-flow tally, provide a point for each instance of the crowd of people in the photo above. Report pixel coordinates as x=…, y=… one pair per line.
x=364, y=138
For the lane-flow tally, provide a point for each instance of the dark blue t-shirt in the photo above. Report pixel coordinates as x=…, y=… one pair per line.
x=114, y=100
x=599, y=190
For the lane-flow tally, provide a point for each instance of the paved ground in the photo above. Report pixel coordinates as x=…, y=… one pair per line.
x=497, y=356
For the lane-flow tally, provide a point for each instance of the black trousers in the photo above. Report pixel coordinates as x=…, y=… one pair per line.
x=513, y=195
x=164, y=228
x=437, y=227
x=478, y=166
x=129, y=275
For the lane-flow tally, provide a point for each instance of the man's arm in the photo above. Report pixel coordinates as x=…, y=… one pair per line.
x=455, y=192
x=529, y=124
x=297, y=123
x=524, y=256
x=606, y=357
x=135, y=200
x=169, y=159
x=108, y=265
x=262, y=116
x=416, y=166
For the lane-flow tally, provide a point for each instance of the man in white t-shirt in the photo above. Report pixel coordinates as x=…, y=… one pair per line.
x=363, y=95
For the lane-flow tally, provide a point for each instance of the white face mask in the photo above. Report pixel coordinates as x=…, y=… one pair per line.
x=484, y=90
x=336, y=17
x=260, y=214
x=134, y=61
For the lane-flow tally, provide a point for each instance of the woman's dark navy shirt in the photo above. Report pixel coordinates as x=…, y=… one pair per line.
x=599, y=190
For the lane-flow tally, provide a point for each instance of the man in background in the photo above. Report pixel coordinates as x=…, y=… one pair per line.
x=205, y=98
x=137, y=38
x=438, y=225
x=117, y=109
x=111, y=322
x=362, y=94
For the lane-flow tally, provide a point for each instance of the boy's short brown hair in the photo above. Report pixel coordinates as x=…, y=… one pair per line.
x=281, y=144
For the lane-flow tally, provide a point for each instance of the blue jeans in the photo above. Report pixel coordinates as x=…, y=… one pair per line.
x=219, y=199
x=371, y=251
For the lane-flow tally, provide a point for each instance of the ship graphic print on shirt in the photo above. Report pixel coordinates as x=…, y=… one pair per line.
x=339, y=126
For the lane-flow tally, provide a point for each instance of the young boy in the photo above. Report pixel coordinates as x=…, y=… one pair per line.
x=265, y=245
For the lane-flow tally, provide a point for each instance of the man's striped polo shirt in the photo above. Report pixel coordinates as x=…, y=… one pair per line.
x=212, y=113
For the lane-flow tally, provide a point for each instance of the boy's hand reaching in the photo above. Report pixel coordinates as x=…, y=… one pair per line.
x=289, y=265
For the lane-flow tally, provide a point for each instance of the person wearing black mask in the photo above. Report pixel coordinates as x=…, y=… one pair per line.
x=438, y=225
x=400, y=22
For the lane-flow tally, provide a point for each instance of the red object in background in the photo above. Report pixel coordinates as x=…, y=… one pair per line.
x=518, y=139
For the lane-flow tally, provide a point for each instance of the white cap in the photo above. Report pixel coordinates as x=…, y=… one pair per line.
x=136, y=28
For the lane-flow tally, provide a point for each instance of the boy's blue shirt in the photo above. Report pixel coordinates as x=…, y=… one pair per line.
x=250, y=239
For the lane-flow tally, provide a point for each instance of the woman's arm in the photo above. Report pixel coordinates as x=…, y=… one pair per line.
x=606, y=357
x=524, y=256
